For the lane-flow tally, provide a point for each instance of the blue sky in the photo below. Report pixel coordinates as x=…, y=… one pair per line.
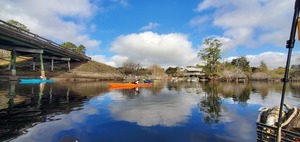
x=163, y=32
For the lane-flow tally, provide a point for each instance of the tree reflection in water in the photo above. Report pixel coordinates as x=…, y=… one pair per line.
x=295, y=89
x=262, y=88
x=211, y=104
x=239, y=92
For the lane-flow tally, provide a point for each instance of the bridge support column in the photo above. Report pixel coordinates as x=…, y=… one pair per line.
x=42, y=66
x=52, y=60
x=10, y=61
x=69, y=65
x=33, y=63
x=13, y=63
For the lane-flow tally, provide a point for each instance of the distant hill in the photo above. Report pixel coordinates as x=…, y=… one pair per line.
x=94, y=70
x=93, y=66
x=91, y=70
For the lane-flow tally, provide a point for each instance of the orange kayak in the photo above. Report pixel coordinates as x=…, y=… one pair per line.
x=129, y=85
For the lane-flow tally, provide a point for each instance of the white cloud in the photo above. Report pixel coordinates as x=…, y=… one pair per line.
x=272, y=59
x=209, y=3
x=118, y=60
x=227, y=43
x=150, y=48
x=149, y=27
x=198, y=21
x=57, y=20
x=99, y=58
x=114, y=61
x=252, y=22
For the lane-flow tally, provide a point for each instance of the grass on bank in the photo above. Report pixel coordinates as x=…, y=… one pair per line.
x=94, y=70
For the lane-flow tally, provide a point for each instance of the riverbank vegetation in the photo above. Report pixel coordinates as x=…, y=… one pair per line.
x=235, y=70
x=238, y=68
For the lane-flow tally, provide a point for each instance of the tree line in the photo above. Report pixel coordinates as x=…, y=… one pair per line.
x=130, y=67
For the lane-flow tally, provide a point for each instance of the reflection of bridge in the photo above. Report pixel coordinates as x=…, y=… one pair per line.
x=24, y=43
x=30, y=104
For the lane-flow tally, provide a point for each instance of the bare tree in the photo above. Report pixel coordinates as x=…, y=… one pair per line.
x=156, y=70
x=130, y=67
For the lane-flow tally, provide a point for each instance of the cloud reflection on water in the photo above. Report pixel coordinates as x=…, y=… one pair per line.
x=238, y=126
x=46, y=131
x=169, y=108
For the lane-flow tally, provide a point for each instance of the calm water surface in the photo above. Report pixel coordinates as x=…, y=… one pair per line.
x=167, y=112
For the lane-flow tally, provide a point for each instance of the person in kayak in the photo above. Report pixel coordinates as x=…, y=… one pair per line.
x=136, y=81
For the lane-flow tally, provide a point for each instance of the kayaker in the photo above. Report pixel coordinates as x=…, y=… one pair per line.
x=136, y=81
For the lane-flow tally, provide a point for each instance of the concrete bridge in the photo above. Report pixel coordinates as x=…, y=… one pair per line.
x=24, y=43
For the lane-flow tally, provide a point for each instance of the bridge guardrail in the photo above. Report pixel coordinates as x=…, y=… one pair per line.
x=38, y=38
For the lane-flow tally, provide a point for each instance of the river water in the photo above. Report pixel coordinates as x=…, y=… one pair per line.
x=166, y=112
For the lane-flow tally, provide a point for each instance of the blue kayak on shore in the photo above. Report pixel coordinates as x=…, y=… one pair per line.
x=32, y=81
